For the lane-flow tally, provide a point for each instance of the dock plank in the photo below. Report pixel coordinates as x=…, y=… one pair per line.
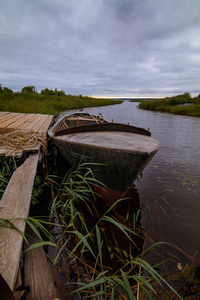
x=35, y=121
x=39, y=124
x=3, y=113
x=45, y=125
x=11, y=120
x=27, y=122
x=6, y=117
x=20, y=121
x=37, y=274
x=15, y=203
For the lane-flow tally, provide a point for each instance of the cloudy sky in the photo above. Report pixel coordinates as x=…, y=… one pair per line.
x=101, y=47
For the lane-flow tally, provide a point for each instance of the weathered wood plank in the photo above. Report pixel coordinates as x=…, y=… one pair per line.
x=15, y=203
x=37, y=273
x=35, y=121
x=6, y=117
x=17, y=123
x=3, y=113
x=46, y=124
x=11, y=153
x=39, y=124
x=25, y=124
x=15, y=120
x=11, y=120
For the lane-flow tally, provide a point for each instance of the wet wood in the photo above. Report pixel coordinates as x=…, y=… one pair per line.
x=37, y=274
x=15, y=203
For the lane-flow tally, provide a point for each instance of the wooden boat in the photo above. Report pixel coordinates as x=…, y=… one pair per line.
x=121, y=151
x=78, y=119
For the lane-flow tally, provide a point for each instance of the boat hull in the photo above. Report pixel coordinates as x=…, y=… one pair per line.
x=114, y=168
x=116, y=153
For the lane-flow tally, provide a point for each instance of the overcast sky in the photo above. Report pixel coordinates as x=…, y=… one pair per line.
x=101, y=47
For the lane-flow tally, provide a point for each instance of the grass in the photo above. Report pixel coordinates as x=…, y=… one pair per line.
x=33, y=102
x=100, y=253
x=180, y=105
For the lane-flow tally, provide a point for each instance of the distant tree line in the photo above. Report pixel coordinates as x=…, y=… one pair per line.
x=32, y=89
x=5, y=90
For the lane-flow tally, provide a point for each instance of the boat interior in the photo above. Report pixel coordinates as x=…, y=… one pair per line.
x=77, y=120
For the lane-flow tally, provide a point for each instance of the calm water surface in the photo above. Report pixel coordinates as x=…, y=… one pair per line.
x=175, y=167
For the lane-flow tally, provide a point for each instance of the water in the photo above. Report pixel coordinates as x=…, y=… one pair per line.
x=175, y=167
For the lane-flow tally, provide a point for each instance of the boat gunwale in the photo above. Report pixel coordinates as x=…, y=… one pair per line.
x=103, y=127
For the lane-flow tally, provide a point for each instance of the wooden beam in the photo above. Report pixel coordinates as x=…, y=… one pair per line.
x=37, y=274
x=15, y=203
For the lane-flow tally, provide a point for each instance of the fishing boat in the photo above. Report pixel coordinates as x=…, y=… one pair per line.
x=120, y=152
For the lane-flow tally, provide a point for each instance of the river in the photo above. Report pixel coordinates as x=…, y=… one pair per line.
x=174, y=171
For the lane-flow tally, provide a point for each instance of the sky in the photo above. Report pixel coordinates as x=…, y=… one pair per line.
x=114, y=48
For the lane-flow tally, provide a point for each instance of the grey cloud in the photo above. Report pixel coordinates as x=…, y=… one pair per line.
x=101, y=47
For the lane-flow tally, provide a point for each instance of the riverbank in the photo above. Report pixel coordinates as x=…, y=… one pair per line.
x=50, y=102
x=180, y=105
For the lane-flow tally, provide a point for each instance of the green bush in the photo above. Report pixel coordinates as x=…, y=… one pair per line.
x=175, y=105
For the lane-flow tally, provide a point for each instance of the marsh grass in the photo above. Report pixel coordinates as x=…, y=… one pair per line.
x=101, y=252
x=47, y=104
x=181, y=105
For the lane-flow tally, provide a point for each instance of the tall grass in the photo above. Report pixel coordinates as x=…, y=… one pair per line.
x=47, y=104
x=181, y=105
x=101, y=253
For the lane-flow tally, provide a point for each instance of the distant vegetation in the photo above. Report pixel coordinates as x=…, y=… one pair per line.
x=182, y=104
x=47, y=102
x=140, y=99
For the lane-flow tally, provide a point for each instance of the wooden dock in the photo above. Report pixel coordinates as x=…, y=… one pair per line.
x=35, y=122
x=22, y=124
x=15, y=203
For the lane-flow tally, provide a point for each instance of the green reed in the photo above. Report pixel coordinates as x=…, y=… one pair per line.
x=88, y=237
x=181, y=105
